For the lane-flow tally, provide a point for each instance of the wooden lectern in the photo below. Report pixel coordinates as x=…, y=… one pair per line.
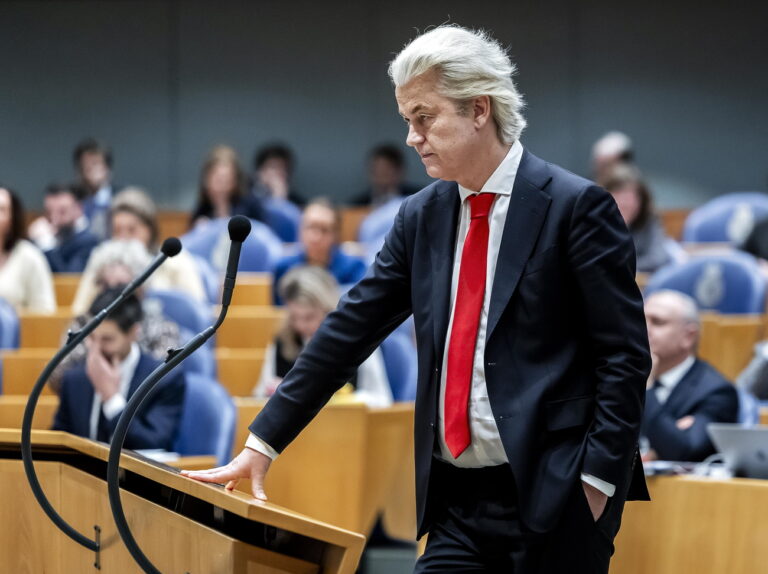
x=184, y=526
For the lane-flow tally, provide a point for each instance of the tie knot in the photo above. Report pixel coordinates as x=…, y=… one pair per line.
x=480, y=204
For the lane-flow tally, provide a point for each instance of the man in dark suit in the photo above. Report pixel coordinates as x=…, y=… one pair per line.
x=93, y=395
x=531, y=339
x=684, y=394
x=63, y=232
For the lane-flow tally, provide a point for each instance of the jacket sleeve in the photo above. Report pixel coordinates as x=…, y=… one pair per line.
x=691, y=444
x=602, y=260
x=156, y=422
x=366, y=314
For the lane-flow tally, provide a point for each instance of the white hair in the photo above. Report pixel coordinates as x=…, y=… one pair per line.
x=685, y=304
x=469, y=64
x=611, y=144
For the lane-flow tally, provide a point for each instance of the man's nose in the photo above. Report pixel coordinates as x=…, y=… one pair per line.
x=414, y=137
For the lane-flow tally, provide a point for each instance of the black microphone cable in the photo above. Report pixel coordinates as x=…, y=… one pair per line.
x=239, y=228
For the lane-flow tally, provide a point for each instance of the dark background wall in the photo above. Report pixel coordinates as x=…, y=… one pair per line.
x=163, y=81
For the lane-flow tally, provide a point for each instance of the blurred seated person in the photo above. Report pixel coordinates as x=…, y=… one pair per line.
x=634, y=200
x=93, y=395
x=754, y=378
x=612, y=149
x=25, y=276
x=273, y=167
x=222, y=189
x=115, y=263
x=386, y=175
x=63, y=233
x=684, y=393
x=134, y=216
x=310, y=293
x=318, y=236
x=93, y=163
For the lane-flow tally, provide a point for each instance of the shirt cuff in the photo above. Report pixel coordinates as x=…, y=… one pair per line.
x=606, y=488
x=255, y=443
x=114, y=406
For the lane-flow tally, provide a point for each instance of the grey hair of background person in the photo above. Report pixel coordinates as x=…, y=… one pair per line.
x=469, y=64
x=689, y=310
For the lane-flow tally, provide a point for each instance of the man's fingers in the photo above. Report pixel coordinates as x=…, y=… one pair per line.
x=232, y=484
x=257, y=486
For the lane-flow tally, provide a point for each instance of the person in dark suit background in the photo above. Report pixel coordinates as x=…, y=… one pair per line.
x=63, y=233
x=386, y=177
x=92, y=395
x=684, y=394
x=532, y=345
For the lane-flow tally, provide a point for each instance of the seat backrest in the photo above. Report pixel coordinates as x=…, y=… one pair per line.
x=9, y=326
x=283, y=218
x=401, y=364
x=730, y=283
x=212, y=280
x=749, y=408
x=378, y=223
x=208, y=420
x=726, y=219
x=261, y=250
x=181, y=309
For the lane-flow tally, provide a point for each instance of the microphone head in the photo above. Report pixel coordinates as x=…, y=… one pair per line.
x=239, y=228
x=171, y=247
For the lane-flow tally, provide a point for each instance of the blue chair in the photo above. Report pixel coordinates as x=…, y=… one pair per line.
x=202, y=361
x=401, y=364
x=208, y=420
x=181, y=309
x=376, y=225
x=9, y=326
x=212, y=280
x=283, y=218
x=728, y=218
x=749, y=408
x=729, y=283
x=260, y=251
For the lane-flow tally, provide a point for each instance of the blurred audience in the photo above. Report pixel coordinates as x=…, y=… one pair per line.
x=612, y=149
x=93, y=394
x=63, y=233
x=635, y=203
x=318, y=237
x=273, y=167
x=684, y=393
x=93, y=163
x=754, y=378
x=134, y=216
x=222, y=189
x=25, y=276
x=386, y=177
x=310, y=293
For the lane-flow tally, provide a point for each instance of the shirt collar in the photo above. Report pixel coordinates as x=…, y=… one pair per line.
x=503, y=178
x=676, y=373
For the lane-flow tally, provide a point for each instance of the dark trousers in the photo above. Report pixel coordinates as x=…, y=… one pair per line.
x=476, y=527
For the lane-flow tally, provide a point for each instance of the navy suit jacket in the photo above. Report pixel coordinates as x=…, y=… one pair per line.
x=73, y=253
x=702, y=393
x=154, y=425
x=566, y=347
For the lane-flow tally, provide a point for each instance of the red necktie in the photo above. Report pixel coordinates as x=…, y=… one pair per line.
x=466, y=318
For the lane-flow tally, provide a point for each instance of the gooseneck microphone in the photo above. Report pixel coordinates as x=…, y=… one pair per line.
x=170, y=248
x=239, y=228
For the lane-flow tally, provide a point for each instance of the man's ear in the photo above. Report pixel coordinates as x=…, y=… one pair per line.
x=135, y=332
x=481, y=110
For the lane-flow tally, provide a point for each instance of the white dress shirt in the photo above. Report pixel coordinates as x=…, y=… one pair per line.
x=669, y=380
x=485, y=448
x=115, y=405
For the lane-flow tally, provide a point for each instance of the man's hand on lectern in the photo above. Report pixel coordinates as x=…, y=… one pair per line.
x=248, y=464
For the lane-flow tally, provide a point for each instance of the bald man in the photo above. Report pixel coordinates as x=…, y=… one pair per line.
x=684, y=393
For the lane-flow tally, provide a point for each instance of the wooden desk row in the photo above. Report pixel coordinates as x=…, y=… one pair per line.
x=351, y=464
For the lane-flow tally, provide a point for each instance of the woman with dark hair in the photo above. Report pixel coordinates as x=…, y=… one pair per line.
x=635, y=203
x=222, y=189
x=25, y=277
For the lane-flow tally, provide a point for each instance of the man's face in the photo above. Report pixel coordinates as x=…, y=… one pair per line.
x=318, y=231
x=94, y=169
x=384, y=174
x=440, y=133
x=62, y=210
x=670, y=335
x=111, y=342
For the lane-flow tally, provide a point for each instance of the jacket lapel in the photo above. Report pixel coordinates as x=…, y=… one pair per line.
x=442, y=216
x=528, y=208
x=685, y=393
x=143, y=369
